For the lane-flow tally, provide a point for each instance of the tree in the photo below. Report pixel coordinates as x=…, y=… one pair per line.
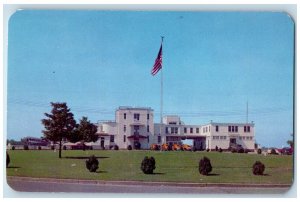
x=59, y=124
x=85, y=131
x=291, y=142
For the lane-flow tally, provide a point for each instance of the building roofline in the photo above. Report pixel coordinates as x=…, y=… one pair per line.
x=134, y=108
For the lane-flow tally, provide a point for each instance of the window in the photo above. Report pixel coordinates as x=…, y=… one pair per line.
x=167, y=130
x=248, y=138
x=191, y=130
x=224, y=137
x=245, y=128
x=248, y=128
x=159, y=139
x=124, y=129
x=124, y=115
x=148, y=129
x=174, y=130
x=197, y=130
x=240, y=138
x=229, y=128
x=217, y=128
x=148, y=117
x=136, y=116
x=251, y=138
x=236, y=129
x=184, y=130
x=124, y=138
x=172, y=123
x=112, y=138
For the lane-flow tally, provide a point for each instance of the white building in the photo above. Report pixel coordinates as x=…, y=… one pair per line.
x=135, y=126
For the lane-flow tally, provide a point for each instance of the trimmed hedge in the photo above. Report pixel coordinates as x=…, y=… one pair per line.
x=92, y=164
x=129, y=147
x=148, y=165
x=7, y=160
x=258, y=168
x=259, y=151
x=204, y=166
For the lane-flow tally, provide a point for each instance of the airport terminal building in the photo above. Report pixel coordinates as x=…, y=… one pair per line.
x=135, y=125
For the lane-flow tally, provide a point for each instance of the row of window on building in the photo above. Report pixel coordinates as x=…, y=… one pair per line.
x=174, y=130
x=136, y=116
x=224, y=138
x=136, y=128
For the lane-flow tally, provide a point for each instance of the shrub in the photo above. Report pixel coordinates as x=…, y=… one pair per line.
x=259, y=151
x=246, y=151
x=7, y=160
x=25, y=147
x=92, y=164
x=137, y=145
x=148, y=165
x=220, y=149
x=129, y=147
x=216, y=148
x=194, y=149
x=52, y=147
x=13, y=148
x=64, y=147
x=258, y=168
x=233, y=150
x=207, y=150
x=39, y=147
x=241, y=150
x=205, y=166
x=116, y=147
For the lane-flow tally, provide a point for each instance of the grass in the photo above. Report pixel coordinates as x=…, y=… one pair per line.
x=170, y=166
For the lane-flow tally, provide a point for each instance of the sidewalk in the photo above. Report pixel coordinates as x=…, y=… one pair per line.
x=174, y=184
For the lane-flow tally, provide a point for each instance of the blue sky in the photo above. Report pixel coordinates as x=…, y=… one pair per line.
x=96, y=61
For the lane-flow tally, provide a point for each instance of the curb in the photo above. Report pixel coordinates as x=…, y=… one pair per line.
x=137, y=183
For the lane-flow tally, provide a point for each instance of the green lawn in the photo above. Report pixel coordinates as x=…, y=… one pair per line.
x=175, y=166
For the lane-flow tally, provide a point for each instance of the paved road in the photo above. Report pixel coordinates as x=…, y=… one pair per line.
x=107, y=187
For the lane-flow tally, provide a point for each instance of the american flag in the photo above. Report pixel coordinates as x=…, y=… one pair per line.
x=158, y=62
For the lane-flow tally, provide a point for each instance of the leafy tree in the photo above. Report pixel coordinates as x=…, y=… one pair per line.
x=85, y=131
x=59, y=124
x=291, y=142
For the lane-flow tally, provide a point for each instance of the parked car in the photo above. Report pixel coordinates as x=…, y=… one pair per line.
x=186, y=147
x=286, y=151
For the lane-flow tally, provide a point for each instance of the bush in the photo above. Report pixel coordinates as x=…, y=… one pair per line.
x=220, y=149
x=194, y=149
x=13, y=148
x=207, y=150
x=7, y=160
x=216, y=148
x=129, y=147
x=241, y=150
x=116, y=147
x=52, y=147
x=259, y=151
x=25, y=147
x=205, y=166
x=39, y=147
x=92, y=164
x=233, y=150
x=148, y=165
x=258, y=168
x=137, y=145
x=64, y=147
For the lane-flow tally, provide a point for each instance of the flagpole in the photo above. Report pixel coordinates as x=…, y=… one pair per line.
x=161, y=94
